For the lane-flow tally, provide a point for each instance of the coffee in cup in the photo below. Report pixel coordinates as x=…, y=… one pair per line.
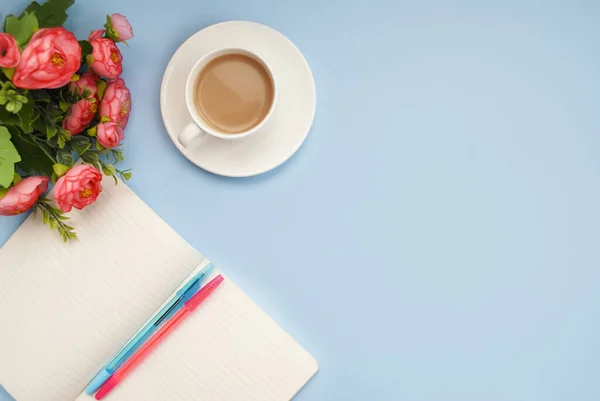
x=233, y=93
x=230, y=94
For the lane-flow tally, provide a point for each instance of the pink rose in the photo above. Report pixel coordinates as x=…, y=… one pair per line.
x=49, y=61
x=23, y=196
x=9, y=51
x=78, y=188
x=80, y=115
x=96, y=35
x=110, y=135
x=122, y=27
x=88, y=80
x=106, y=59
x=116, y=103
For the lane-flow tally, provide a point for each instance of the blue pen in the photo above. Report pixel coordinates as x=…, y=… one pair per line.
x=176, y=303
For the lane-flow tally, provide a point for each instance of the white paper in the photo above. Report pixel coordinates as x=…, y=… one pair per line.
x=66, y=309
x=227, y=350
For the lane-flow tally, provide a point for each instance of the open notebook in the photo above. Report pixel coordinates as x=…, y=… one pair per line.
x=66, y=309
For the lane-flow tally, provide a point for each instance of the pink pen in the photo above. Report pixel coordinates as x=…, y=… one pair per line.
x=158, y=337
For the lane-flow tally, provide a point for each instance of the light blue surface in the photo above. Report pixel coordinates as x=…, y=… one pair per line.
x=437, y=236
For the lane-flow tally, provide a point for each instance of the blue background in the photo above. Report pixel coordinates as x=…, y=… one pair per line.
x=437, y=236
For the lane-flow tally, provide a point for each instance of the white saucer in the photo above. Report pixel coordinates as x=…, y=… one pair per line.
x=292, y=117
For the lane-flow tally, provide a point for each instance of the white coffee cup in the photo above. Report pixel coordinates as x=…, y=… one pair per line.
x=199, y=127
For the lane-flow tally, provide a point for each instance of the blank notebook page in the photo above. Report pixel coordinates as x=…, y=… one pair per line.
x=226, y=350
x=66, y=309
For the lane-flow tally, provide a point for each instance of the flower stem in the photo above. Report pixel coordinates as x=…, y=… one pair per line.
x=55, y=219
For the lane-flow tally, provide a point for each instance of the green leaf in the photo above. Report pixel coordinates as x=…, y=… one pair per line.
x=63, y=137
x=9, y=72
x=26, y=115
x=51, y=131
x=81, y=150
x=3, y=192
x=64, y=157
x=86, y=48
x=52, y=13
x=101, y=85
x=16, y=179
x=126, y=175
x=22, y=28
x=91, y=158
x=118, y=155
x=53, y=112
x=64, y=106
x=14, y=107
x=108, y=169
x=61, y=142
x=42, y=96
x=37, y=160
x=60, y=169
x=80, y=144
x=32, y=8
x=8, y=118
x=92, y=131
x=8, y=157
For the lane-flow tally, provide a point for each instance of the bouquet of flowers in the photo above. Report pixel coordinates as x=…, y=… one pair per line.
x=60, y=99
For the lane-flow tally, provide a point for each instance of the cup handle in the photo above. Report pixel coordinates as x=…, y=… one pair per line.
x=189, y=134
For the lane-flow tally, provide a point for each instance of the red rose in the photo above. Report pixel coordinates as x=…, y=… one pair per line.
x=122, y=27
x=9, y=51
x=78, y=188
x=49, y=61
x=80, y=115
x=116, y=103
x=110, y=135
x=88, y=80
x=23, y=196
x=106, y=59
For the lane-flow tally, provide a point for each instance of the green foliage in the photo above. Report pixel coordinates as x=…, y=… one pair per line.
x=32, y=138
x=101, y=85
x=86, y=48
x=11, y=97
x=9, y=156
x=51, y=131
x=65, y=157
x=91, y=158
x=51, y=14
x=22, y=28
x=37, y=155
x=60, y=169
x=62, y=138
x=8, y=72
x=80, y=144
x=92, y=131
x=27, y=114
x=55, y=218
x=108, y=169
x=126, y=175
